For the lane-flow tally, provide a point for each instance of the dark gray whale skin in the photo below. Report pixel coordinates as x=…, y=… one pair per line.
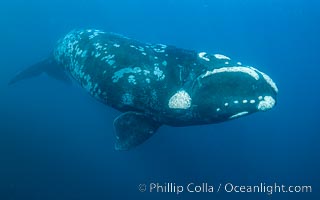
x=156, y=84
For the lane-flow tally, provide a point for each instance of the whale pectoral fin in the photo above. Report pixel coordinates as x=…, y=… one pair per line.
x=132, y=129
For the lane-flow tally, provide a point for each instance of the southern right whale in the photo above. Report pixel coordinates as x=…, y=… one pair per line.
x=155, y=84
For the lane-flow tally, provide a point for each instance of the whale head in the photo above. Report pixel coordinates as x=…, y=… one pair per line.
x=228, y=92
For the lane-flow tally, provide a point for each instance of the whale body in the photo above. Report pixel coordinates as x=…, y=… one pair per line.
x=155, y=84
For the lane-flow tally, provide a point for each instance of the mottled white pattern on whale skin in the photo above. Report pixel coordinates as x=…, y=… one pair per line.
x=159, y=73
x=132, y=79
x=127, y=99
x=119, y=74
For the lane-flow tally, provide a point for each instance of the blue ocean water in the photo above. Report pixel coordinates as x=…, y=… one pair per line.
x=56, y=142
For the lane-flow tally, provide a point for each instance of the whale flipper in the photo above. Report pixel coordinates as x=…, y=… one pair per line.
x=48, y=66
x=132, y=129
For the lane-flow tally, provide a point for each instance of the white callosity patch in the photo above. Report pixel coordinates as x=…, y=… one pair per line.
x=116, y=45
x=119, y=74
x=267, y=103
x=246, y=70
x=221, y=57
x=239, y=114
x=268, y=80
x=127, y=99
x=202, y=56
x=180, y=100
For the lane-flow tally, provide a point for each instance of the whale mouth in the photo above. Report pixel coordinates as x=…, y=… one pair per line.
x=235, y=91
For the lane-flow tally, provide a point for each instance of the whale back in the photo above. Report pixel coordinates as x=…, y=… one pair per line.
x=127, y=74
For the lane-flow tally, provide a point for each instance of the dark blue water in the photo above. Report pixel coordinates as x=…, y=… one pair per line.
x=56, y=142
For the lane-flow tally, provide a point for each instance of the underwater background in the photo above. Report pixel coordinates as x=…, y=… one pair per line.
x=57, y=142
